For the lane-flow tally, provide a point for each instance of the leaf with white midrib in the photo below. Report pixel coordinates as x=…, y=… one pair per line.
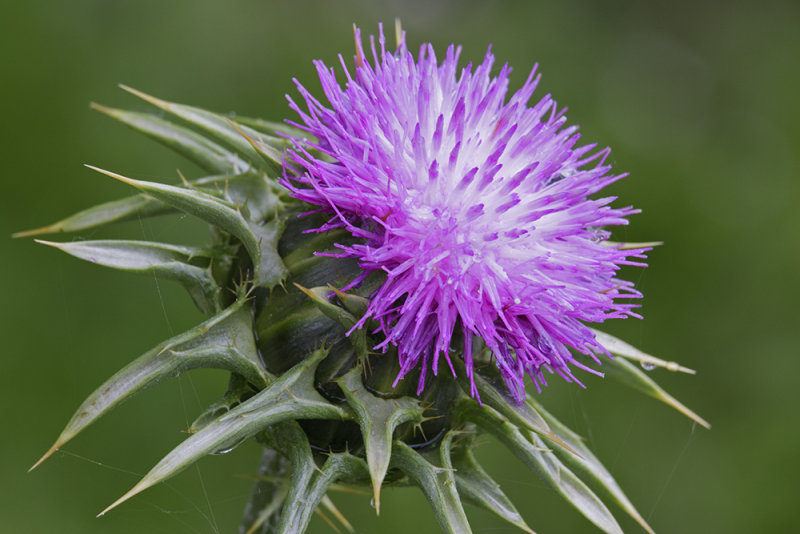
x=475, y=485
x=630, y=374
x=237, y=188
x=522, y=414
x=309, y=483
x=291, y=396
x=260, y=240
x=620, y=348
x=438, y=485
x=237, y=137
x=223, y=342
x=197, y=148
x=587, y=464
x=531, y=450
x=162, y=260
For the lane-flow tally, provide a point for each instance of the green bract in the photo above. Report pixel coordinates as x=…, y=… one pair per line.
x=319, y=401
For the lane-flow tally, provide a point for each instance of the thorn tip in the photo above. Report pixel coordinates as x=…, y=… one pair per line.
x=157, y=102
x=101, y=108
x=28, y=233
x=376, y=495
x=124, y=179
x=48, y=243
x=138, y=488
x=46, y=455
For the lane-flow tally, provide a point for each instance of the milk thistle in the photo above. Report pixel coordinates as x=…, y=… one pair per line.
x=387, y=272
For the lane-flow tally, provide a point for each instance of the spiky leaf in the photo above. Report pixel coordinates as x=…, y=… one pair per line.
x=620, y=348
x=474, y=484
x=586, y=464
x=239, y=390
x=297, y=511
x=179, y=263
x=197, y=148
x=531, y=450
x=260, y=240
x=320, y=296
x=439, y=487
x=378, y=419
x=239, y=189
x=292, y=396
x=631, y=375
x=257, y=197
x=223, y=342
x=242, y=139
x=492, y=391
x=270, y=127
x=138, y=206
x=355, y=304
x=309, y=483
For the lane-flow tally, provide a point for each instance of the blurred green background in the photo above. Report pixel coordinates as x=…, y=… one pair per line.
x=699, y=102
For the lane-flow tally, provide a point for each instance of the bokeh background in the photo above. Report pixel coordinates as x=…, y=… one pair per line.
x=699, y=102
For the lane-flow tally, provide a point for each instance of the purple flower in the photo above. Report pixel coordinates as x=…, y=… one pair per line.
x=476, y=207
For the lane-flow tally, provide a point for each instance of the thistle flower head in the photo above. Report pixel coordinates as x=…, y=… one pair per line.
x=477, y=212
x=478, y=208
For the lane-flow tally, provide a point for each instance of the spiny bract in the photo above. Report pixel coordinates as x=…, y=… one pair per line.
x=304, y=379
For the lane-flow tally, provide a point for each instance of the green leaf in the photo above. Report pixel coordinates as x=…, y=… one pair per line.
x=309, y=483
x=529, y=447
x=223, y=342
x=197, y=148
x=438, y=484
x=260, y=150
x=115, y=211
x=166, y=261
x=291, y=441
x=475, y=485
x=620, y=348
x=239, y=390
x=586, y=464
x=271, y=127
x=378, y=419
x=260, y=240
x=631, y=375
x=269, y=148
x=355, y=304
x=246, y=189
x=281, y=491
x=493, y=392
x=320, y=296
x=301, y=503
x=292, y=396
x=252, y=193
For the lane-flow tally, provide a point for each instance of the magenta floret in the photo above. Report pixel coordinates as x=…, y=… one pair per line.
x=477, y=208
